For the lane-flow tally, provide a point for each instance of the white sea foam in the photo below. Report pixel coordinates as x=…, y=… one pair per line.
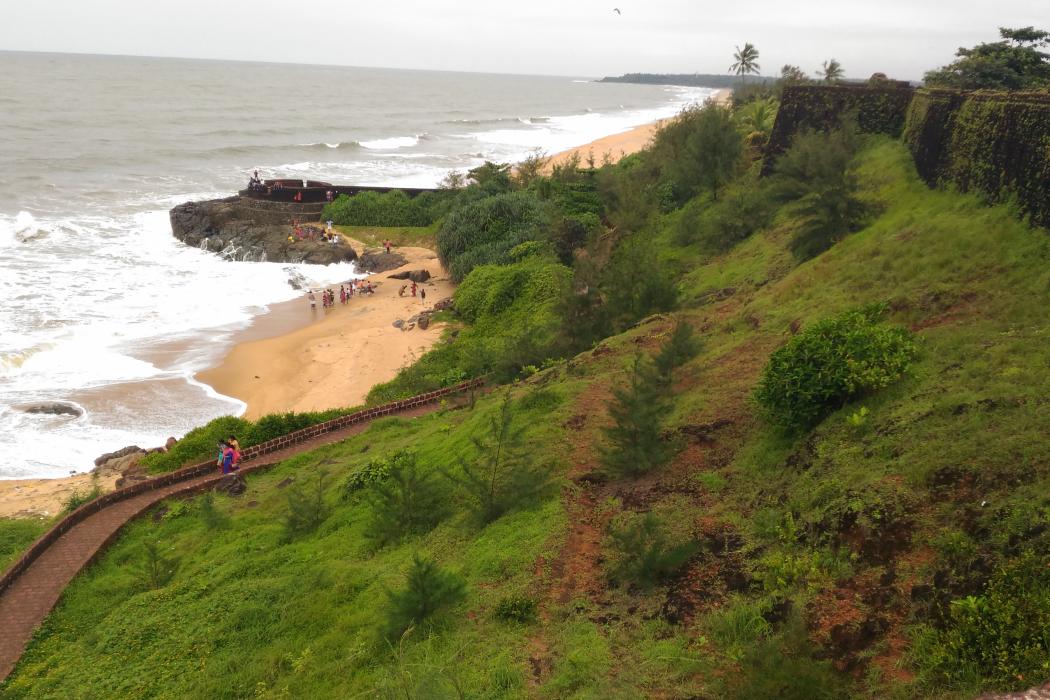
x=395, y=142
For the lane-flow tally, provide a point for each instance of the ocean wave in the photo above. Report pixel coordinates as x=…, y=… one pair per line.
x=392, y=142
x=338, y=145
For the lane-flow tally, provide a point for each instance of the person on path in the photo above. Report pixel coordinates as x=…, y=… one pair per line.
x=227, y=460
x=236, y=447
x=221, y=447
x=386, y=244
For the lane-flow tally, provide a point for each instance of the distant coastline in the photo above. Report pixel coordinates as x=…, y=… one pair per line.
x=705, y=80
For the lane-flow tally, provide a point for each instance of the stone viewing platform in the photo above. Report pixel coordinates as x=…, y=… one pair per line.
x=257, y=223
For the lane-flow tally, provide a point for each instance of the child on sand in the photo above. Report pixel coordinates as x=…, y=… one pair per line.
x=422, y=296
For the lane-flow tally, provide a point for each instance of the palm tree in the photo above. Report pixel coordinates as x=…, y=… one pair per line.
x=746, y=61
x=758, y=116
x=832, y=71
x=793, y=74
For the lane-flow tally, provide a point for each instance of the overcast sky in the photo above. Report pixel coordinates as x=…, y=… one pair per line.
x=902, y=38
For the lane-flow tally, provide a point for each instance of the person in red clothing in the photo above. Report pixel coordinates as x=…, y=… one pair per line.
x=413, y=288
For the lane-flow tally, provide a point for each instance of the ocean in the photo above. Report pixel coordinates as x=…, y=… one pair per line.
x=102, y=308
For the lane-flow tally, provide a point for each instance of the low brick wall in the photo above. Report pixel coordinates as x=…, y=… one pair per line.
x=196, y=470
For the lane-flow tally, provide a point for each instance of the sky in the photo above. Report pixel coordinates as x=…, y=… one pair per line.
x=902, y=38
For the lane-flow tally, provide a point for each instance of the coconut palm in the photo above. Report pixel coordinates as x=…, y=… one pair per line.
x=746, y=61
x=793, y=74
x=832, y=71
x=758, y=116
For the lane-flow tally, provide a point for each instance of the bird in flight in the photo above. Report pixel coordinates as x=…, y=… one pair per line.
x=617, y=11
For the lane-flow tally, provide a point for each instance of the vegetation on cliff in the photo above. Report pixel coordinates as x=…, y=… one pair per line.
x=845, y=495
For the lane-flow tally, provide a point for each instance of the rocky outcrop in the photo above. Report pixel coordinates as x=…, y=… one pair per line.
x=54, y=408
x=378, y=260
x=413, y=275
x=242, y=229
x=122, y=452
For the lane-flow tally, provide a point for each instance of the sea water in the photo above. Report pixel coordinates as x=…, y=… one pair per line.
x=102, y=308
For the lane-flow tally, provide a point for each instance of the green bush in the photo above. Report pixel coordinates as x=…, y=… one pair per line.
x=698, y=151
x=716, y=227
x=212, y=517
x=79, y=498
x=485, y=231
x=517, y=608
x=831, y=363
x=154, y=570
x=394, y=208
x=636, y=283
x=503, y=475
x=373, y=472
x=816, y=176
x=16, y=534
x=428, y=589
x=406, y=503
x=307, y=507
x=1000, y=638
x=645, y=554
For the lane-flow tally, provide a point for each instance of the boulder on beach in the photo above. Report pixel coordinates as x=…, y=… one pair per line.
x=122, y=452
x=378, y=260
x=54, y=408
x=418, y=276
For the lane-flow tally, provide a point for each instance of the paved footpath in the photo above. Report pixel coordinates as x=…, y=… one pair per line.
x=29, y=599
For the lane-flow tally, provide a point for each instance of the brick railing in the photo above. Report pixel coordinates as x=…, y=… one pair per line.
x=204, y=468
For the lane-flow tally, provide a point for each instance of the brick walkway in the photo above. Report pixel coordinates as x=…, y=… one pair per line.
x=29, y=599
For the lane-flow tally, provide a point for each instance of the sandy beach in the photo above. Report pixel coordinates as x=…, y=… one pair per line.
x=340, y=354
x=612, y=148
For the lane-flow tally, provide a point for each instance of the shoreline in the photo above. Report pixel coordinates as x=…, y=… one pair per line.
x=330, y=358
x=288, y=359
x=617, y=146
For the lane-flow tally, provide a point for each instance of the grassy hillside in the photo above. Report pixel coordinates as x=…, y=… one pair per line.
x=823, y=563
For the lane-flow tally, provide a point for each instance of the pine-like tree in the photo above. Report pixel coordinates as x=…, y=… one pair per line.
x=428, y=589
x=638, y=412
x=502, y=476
x=681, y=346
x=405, y=503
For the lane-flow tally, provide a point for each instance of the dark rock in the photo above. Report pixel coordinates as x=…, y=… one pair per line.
x=122, y=452
x=378, y=260
x=399, y=323
x=444, y=305
x=418, y=276
x=240, y=229
x=424, y=321
x=55, y=408
x=170, y=443
x=231, y=485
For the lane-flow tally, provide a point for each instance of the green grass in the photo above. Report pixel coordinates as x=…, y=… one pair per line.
x=16, y=534
x=804, y=540
x=373, y=236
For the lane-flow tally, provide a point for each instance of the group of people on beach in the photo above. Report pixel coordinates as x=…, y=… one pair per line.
x=346, y=293
x=229, y=457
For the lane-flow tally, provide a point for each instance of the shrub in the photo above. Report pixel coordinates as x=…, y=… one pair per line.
x=79, y=498
x=484, y=232
x=307, y=508
x=1001, y=637
x=816, y=176
x=680, y=347
x=716, y=227
x=645, y=554
x=371, y=473
x=428, y=589
x=503, y=476
x=405, y=503
x=516, y=608
x=698, y=151
x=738, y=625
x=155, y=570
x=638, y=411
x=831, y=363
x=393, y=208
x=636, y=284
x=212, y=517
